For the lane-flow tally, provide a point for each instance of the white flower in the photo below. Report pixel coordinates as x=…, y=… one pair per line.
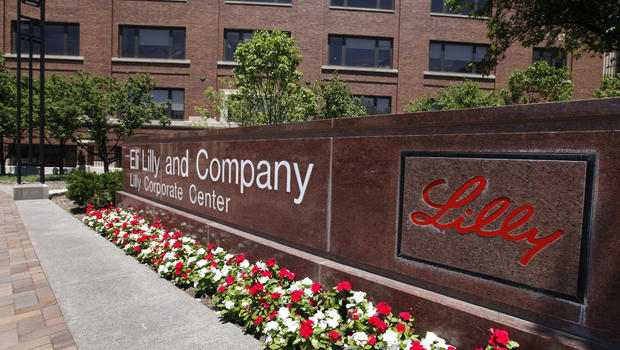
x=263, y=279
x=261, y=265
x=283, y=313
x=228, y=304
x=203, y=272
x=360, y=338
x=218, y=275
x=333, y=322
x=291, y=325
x=432, y=338
x=227, y=257
x=201, y=251
x=201, y=263
x=370, y=310
x=225, y=270
x=191, y=260
x=271, y=325
x=358, y=297
x=306, y=281
x=245, y=304
x=218, y=250
x=390, y=337
x=244, y=264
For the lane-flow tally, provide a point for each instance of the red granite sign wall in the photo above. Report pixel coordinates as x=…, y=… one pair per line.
x=510, y=212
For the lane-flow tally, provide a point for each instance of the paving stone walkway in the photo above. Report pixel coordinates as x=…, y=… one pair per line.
x=29, y=314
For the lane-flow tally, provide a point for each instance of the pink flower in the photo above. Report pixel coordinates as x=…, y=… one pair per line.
x=384, y=308
x=344, y=285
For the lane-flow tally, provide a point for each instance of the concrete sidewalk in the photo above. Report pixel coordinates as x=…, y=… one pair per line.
x=108, y=299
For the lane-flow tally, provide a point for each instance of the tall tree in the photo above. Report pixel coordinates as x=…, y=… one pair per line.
x=8, y=110
x=267, y=80
x=336, y=100
x=576, y=25
x=61, y=114
x=100, y=98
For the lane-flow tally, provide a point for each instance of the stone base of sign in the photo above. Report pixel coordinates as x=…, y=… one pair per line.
x=31, y=191
x=463, y=324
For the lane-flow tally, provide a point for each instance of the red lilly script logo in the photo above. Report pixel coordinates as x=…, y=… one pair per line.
x=487, y=215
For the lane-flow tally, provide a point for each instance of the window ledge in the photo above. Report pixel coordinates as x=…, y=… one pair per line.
x=361, y=69
x=227, y=63
x=235, y=2
x=347, y=8
x=456, y=15
x=149, y=60
x=459, y=75
x=48, y=57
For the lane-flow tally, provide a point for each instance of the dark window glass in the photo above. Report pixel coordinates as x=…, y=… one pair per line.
x=371, y=4
x=360, y=52
x=232, y=38
x=274, y=1
x=458, y=58
x=146, y=42
x=554, y=57
x=175, y=98
x=377, y=104
x=60, y=38
x=440, y=6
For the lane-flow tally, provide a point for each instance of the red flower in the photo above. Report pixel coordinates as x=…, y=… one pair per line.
x=177, y=272
x=384, y=308
x=256, y=288
x=271, y=262
x=451, y=348
x=401, y=327
x=296, y=295
x=306, y=328
x=333, y=336
x=372, y=340
x=405, y=316
x=377, y=322
x=221, y=289
x=499, y=336
x=178, y=265
x=209, y=256
x=275, y=295
x=210, y=246
x=178, y=244
x=416, y=346
x=316, y=287
x=258, y=320
x=344, y=285
x=154, y=261
x=230, y=279
x=137, y=248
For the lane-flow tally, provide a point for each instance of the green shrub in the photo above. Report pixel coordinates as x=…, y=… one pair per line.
x=610, y=87
x=86, y=188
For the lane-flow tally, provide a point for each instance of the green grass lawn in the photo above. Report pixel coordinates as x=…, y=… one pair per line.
x=32, y=178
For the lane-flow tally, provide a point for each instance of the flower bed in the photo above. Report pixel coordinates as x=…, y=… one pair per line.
x=266, y=299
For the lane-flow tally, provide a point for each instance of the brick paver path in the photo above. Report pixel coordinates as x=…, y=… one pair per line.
x=29, y=315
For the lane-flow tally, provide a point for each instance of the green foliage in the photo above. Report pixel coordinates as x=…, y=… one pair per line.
x=610, y=87
x=336, y=100
x=61, y=113
x=211, y=109
x=99, y=98
x=575, y=25
x=455, y=96
x=91, y=188
x=267, y=80
x=538, y=83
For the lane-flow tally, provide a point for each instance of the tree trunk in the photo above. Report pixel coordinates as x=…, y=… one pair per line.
x=2, y=158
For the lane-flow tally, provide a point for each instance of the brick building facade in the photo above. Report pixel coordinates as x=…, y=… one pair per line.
x=419, y=47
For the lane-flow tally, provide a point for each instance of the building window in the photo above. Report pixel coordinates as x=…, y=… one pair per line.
x=377, y=104
x=554, y=57
x=458, y=58
x=370, y=4
x=60, y=39
x=440, y=6
x=176, y=98
x=360, y=52
x=232, y=38
x=152, y=42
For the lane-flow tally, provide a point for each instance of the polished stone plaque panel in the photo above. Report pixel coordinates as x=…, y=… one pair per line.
x=516, y=219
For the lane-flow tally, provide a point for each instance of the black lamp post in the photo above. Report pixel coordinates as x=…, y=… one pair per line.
x=31, y=39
